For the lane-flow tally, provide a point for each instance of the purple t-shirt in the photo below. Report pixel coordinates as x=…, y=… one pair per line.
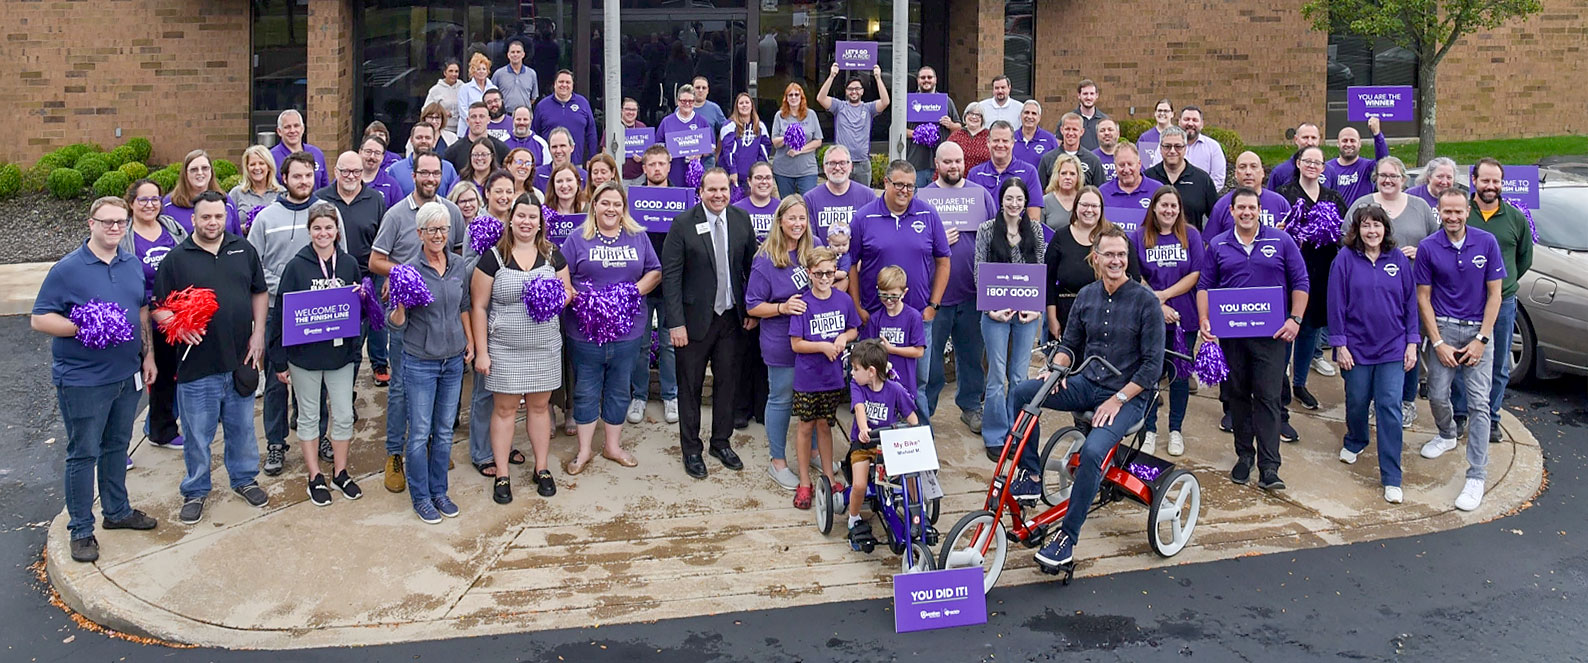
x=322, y=177
x=760, y=217
x=593, y=263
x=672, y=124
x=906, y=330
x=1355, y=180
x=1168, y=262
x=827, y=208
x=962, y=258
x=1031, y=151
x=768, y=283
x=912, y=240
x=1271, y=208
x=1114, y=196
x=150, y=252
x=500, y=128
x=822, y=321
x=1459, y=292
x=184, y=216
x=1110, y=171
x=887, y=406
x=1421, y=191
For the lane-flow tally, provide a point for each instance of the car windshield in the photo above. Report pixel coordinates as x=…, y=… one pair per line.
x=1562, y=217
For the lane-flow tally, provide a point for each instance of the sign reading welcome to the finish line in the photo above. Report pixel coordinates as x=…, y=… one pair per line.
x=311, y=316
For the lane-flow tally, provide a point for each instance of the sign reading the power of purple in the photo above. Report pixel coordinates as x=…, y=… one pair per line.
x=1388, y=103
x=1246, y=312
x=690, y=143
x=1002, y=286
x=926, y=106
x=636, y=140
x=1127, y=218
x=559, y=229
x=856, y=55
x=311, y=316
x=1521, y=185
x=938, y=599
x=655, y=206
x=961, y=209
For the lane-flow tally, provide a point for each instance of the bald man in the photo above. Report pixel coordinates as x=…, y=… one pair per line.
x=1350, y=174
x=1307, y=135
x=957, y=317
x=1249, y=174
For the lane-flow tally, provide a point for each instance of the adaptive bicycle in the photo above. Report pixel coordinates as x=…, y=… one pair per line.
x=907, y=520
x=1172, y=496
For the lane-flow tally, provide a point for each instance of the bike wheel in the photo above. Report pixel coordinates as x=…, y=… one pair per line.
x=1172, y=517
x=1057, y=479
x=822, y=504
x=977, y=540
x=921, y=556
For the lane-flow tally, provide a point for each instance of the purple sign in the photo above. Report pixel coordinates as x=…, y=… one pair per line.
x=655, y=206
x=690, y=143
x=856, y=55
x=926, y=106
x=1127, y=218
x=1388, y=103
x=560, y=229
x=938, y=599
x=311, y=316
x=960, y=209
x=1002, y=286
x=636, y=140
x=1521, y=185
x=1246, y=312
x=1148, y=149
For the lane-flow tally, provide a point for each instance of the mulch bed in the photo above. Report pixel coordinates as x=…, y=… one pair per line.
x=39, y=228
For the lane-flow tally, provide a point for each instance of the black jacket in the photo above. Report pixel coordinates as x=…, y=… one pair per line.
x=303, y=273
x=1319, y=259
x=1197, y=193
x=360, y=220
x=689, y=276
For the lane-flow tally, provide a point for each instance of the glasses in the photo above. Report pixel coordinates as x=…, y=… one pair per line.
x=523, y=162
x=434, y=231
x=889, y=298
x=428, y=173
x=147, y=200
x=793, y=95
x=902, y=186
x=1114, y=255
x=114, y=223
x=1088, y=206
x=1310, y=162
x=349, y=172
x=1171, y=147
x=835, y=164
x=825, y=273
x=1390, y=176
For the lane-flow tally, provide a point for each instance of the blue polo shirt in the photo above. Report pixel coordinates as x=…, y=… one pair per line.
x=1459, y=276
x=1273, y=260
x=912, y=240
x=75, y=279
x=403, y=173
x=988, y=177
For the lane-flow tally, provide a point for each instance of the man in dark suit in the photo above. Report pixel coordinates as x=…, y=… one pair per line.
x=705, y=265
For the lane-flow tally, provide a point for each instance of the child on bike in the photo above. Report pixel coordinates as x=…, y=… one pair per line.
x=818, y=336
x=899, y=327
x=878, y=402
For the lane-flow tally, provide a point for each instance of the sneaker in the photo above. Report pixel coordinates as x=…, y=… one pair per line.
x=1193, y=384
x=275, y=459
x=1149, y=443
x=972, y=419
x=1242, y=472
x=1058, y=552
x=784, y=477
x=1176, y=443
x=803, y=496
x=1495, y=436
x=326, y=453
x=344, y=483
x=129, y=461
x=670, y=411
x=395, y=481
x=85, y=549
x=1287, y=433
x=636, y=411
x=137, y=520
x=382, y=376
x=1348, y=456
x=1269, y=480
x=1471, y=495
x=1392, y=494
x=1408, y=414
x=1304, y=397
x=445, y=507
x=1461, y=427
x=175, y=443
x=192, y=510
x=1324, y=367
x=318, y=493
x=1438, y=446
x=253, y=494
x=1226, y=424
x=1025, y=487
x=427, y=512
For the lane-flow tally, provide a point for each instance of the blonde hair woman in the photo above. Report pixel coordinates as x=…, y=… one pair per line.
x=260, y=185
x=775, y=293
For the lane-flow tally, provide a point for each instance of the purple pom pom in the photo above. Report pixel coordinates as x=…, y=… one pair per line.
x=101, y=324
x=607, y=314
x=925, y=134
x=1517, y=203
x=369, y=304
x=1210, y=366
x=656, y=348
x=693, y=172
x=484, y=232
x=407, y=288
x=248, y=219
x=545, y=298
x=1182, y=368
x=740, y=193
x=1147, y=473
x=794, y=136
x=1316, y=225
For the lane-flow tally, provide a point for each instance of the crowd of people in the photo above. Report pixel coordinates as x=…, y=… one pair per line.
x=803, y=295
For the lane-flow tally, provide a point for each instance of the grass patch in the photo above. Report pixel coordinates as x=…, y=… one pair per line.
x=1508, y=150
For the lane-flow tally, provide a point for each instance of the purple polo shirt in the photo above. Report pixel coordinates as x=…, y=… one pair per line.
x=988, y=177
x=184, y=216
x=322, y=177
x=823, y=320
x=1114, y=194
x=673, y=124
x=1459, y=277
x=912, y=240
x=905, y=330
x=1110, y=171
x=389, y=159
x=1372, y=306
x=1031, y=151
x=1271, y=208
x=1167, y=262
x=827, y=208
x=1421, y=191
x=887, y=406
x=592, y=263
x=1274, y=260
x=760, y=217
x=388, y=187
x=768, y=283
x=962, y=254
x=575, y=115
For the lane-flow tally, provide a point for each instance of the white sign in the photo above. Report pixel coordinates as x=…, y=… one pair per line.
x=908, y=450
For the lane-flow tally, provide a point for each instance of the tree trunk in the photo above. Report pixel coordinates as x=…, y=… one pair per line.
x=1427, y=106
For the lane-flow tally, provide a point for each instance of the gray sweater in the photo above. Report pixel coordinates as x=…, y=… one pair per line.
x=279, y=232
x=1415, y=222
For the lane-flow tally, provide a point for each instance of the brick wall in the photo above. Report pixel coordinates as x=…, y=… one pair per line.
x=331, y=80
x=1523, y=79
x=976, y=53
x=175, y=71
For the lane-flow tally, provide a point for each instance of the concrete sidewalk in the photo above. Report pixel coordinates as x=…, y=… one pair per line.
x=19, y=286
x=624, y=545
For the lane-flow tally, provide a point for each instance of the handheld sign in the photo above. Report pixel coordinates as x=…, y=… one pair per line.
x=311, y=316
x=1388, y=103
x=908, y=450
x=961, y=209
x=635, y=141
x=855, y=55
x=938, y=599
x=1521, y=185
x=690, y=143
x=1012, y=286
x=1149, y=153
x=1127, y=218
x=559, y=230
x=925, y=106
x=655, y=206
x=1246, y=312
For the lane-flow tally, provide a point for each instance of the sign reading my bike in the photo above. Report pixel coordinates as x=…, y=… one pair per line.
x=908, y=450
x=938, y=599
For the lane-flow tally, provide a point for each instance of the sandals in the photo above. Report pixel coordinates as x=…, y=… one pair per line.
x=516, y=457
x=502, y=490
x=486, y=469
x=624, y=459
x=803, y=496
x=576, y=466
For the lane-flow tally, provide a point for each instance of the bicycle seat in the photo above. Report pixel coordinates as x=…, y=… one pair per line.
x=1087, y=417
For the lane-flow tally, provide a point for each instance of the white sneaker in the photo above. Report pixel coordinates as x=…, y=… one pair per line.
x=1471, y=495
x=1392, y=494
x=1438, y=446
x=1323, y=367
x=1149, y=443
x=784, y=477
x=1176, y=443
x=670, y=411
x=1347, y=456
x=1408, y=414
x=636, y=411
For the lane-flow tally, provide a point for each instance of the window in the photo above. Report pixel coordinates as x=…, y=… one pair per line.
x=1355, y=61
x=1019, y=35
x=280, y=31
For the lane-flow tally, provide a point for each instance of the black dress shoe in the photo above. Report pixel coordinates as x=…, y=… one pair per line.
x=729, y=459
x=741, y=424
x=694, y=466
x=136, y=520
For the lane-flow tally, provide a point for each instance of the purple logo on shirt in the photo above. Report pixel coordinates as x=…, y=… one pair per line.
x=311, y=316
x=1388, y=103
x=1002, y=286
x=655, y=206
x=938, y=599
x=635, y=141
x=855, y=55
x=926, y=107
x=1246, y=312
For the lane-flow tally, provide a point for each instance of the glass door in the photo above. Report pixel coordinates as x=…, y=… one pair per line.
x=662, y=51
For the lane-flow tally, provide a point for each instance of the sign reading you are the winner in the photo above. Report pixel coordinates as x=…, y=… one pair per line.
x=311, y=316
x=1246, y=312
x=1388, y=103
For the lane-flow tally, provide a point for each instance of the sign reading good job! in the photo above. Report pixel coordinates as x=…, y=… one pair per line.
x=856, y=55
x=1002, y=286
x=655, y=206
x=1246, y=312
x=1388, y=103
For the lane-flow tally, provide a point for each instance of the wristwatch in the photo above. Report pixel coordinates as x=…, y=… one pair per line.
x=1484, y=339
x=1294, y=318
x=1121, y=397
x=936, y=305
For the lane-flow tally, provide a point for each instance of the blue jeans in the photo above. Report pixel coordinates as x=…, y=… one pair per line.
x=396, y=402
x=1305, y=347
x=98, y=429
x=375, y=343
x=1409, y=387
x=1504, y=328
x=601, y=379
x=787, y=186
x=667, y=364
x=1079, y=396
x=924, y=177
x=481, y=402
x=434, y=386
x=1008, y=363
x=922, y=368
x=1179, y=394
x=960, y=322
x=780, y=409
x=1380, y=385
x=208, y=403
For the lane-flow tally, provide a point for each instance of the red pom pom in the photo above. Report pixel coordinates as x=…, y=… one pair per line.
x=191, y=309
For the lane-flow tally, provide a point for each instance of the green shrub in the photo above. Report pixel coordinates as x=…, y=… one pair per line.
x=10, y=180
x=165, y=178
x=141, y=148
x=879, y=169
x=223, y=169
x=92, y=166
x=76, y=151
x=52, y=161
x=228, y=183
x=1233, y=145
x=134, y=170
x=33, y=180
x=65, y=183
x=1131, y=130
x=121, y=155
x=173, y=168
x=113, y=183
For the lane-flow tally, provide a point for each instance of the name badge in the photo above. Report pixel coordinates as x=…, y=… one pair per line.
x=702, y=228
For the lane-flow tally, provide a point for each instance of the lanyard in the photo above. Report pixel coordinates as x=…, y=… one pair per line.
x=322, y=266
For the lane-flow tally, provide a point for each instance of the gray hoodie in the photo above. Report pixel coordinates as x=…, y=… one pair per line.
x=279, y=232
